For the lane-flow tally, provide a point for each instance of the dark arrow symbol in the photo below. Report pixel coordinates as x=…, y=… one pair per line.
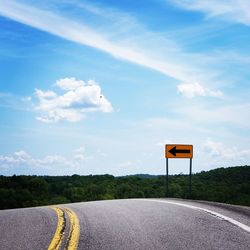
x=175, y=151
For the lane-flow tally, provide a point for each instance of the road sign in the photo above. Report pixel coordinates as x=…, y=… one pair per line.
x=179, y=151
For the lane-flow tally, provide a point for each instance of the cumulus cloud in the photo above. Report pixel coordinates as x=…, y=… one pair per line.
x=79, y=97
x=191, y=90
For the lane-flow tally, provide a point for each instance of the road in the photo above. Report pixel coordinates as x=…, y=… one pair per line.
x=127, y=224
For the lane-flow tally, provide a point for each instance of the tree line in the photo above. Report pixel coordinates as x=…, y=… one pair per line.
x=229, y=185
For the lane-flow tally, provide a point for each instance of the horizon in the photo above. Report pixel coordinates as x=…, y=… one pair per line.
x=129, y=175
x=89, y=87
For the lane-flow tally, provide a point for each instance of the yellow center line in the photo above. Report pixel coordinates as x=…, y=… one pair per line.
x=74, y=231
x=58, y=237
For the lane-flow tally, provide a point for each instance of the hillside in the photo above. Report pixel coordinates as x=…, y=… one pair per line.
x=229, y=185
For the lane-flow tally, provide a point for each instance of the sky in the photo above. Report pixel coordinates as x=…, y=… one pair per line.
x=96, y=87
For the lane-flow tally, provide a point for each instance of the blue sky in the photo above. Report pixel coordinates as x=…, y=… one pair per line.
x=94, y=87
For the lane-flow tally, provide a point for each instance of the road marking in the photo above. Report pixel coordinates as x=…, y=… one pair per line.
x=218, y=215
x=74, y=231
x=58, y=237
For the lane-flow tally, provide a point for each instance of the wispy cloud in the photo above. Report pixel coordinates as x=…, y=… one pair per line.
x=11, y=101
x=79, y=98
x=191, y=90
x=230, y=10
x=236, y=115
x=222, y=152
x=125, y=47
x=80, y=155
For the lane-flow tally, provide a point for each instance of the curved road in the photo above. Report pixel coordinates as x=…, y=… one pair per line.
x=127, y=224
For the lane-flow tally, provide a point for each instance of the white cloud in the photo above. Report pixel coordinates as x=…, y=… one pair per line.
x=70, y=83
x=237, y=115
x=131, y=46
x=23, y=158
x=50, y=163
x=220, y=151
x=191, y=90
x=80, y=154
x=79, y=98
x=232, y=10
x=17, y=158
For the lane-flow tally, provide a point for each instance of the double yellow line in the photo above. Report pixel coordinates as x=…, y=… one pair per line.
x=72, y=240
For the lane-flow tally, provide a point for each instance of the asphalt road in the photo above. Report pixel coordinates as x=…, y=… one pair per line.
x=127, y=224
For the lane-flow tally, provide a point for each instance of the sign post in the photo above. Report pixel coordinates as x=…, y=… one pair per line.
x=190, y=178
x=166, y=177
x=179, y=151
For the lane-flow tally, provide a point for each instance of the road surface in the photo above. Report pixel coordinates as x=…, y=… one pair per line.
x=127, y=224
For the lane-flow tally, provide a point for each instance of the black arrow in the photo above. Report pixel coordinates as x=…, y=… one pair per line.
x=175, y=151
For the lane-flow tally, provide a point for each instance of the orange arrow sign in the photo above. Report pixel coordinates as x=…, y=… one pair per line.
x=179, y=151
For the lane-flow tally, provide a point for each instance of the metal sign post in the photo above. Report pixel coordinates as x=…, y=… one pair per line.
x=166, y=177
x=190, y=178
x=179, y=151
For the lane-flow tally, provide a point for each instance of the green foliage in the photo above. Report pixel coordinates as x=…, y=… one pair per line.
x=229, y=185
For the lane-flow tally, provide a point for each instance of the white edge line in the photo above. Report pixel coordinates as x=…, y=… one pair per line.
x=221, y=216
